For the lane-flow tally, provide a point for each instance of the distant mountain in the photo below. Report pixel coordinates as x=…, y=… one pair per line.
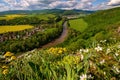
x=55, y=11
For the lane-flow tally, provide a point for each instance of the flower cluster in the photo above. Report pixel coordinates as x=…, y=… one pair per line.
x=5, y=69
x=8, y=57
x=57, y=51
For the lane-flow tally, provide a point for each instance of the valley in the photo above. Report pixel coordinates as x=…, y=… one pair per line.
x=60, y=45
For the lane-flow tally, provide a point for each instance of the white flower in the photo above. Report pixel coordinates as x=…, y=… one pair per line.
x=116, y=54
x=83, y=77
x=103, y=61
x=81, y=50
x=90, y=76
x=103, y=41
x=104, y=73
x=108, y=51
x=98, y=48
x=81, y=57
x=116, y=69
x=86, y=50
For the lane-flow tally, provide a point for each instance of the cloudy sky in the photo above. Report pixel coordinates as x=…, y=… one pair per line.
x=58, y=4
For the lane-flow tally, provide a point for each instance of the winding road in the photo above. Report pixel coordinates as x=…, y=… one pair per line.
x=54, y=42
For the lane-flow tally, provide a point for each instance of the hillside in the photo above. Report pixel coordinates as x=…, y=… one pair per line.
x=90, y=54
x=49, y=11
x=102, y=25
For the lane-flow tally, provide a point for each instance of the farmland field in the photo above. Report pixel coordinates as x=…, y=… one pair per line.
x=42, y=16
x=78, y=24
x=12, y=16
x=4, y=29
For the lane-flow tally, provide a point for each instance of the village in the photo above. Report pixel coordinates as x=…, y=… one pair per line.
x=20, y=34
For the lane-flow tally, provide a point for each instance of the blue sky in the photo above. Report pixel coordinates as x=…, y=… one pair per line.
x=59, y=4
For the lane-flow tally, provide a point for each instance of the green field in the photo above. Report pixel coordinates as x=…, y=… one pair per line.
x=78, y=24
x=4, y=29
x=42, y=16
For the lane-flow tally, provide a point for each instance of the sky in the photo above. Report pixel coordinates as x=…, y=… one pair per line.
x=6, y=5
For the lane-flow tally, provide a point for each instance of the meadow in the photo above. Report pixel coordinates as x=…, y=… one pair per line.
x=4, y=29
x=11, y=16
x=78, y=24
x=42, y=16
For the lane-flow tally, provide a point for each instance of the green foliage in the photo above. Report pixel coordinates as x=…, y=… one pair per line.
x=35, y=41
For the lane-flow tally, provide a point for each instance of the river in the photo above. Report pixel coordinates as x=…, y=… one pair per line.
x=55, y=42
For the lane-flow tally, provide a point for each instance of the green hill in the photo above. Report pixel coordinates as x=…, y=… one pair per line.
x=102, y=25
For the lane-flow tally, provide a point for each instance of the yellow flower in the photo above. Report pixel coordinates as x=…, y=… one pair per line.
x=60, y=51
x=5, y=71
x=4, y=67
x=64, y=49
x=8, y=54
x=13, y=57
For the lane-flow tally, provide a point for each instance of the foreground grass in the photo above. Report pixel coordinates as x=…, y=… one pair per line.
x=78, y=24
x=4, y=29
x=96, y=63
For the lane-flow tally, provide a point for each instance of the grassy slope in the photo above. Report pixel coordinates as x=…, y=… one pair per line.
x=103, y=22
x=78, y=24
x=42, y=16
x=102, y=25
x=4, y=29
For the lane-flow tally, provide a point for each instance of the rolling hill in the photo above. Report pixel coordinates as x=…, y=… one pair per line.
x=55, y=11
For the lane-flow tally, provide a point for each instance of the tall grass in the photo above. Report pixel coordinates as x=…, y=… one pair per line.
x=97, y=62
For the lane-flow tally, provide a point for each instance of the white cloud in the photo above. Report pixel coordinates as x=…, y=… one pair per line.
x=3, y=7
x=50, y=4
x=114, y=2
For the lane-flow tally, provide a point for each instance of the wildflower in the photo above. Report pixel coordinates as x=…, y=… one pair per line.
x=104, y=73
x=98, y=48
x=86, y=51
x=4, y=67
x=8, y=54
x=116, y=54
x=64, y=49
x=81, y=50
x=13, y=57
x=60, y=51
x=5, y=71
x=103, y=61
x=116, y=69
x=83, y=77
x=90, y=76
x=108, y=51
x=81, y=57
